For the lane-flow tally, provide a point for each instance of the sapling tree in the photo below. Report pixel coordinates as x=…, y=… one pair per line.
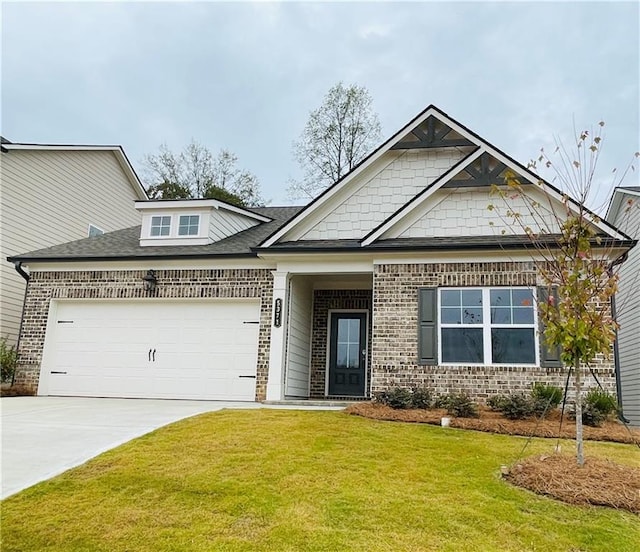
x=574, y=258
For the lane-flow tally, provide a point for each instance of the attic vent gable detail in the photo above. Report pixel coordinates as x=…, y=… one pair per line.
x=432, y=133
x=484, y=171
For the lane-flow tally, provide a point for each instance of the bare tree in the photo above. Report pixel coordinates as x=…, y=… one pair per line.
x=197, y=173
x=573, y=258
x=337, y=136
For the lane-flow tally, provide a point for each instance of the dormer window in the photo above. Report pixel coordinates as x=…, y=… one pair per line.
x=189, y=225
x=160, y=226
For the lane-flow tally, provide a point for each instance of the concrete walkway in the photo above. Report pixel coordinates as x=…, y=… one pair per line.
x=45, y=436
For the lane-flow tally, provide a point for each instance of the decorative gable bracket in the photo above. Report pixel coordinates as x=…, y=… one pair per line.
x=432, y=133
x=485, y=171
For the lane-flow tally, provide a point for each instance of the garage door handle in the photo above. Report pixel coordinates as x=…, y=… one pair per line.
x=153, y=355
x=54, y=372
x=149, y=355
x=253, y=377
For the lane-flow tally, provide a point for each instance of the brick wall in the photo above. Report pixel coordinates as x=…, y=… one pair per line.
x=395, y=334
x=323, y=302
x=126, y=284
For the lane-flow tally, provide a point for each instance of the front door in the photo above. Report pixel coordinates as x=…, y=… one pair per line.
x=348, y=354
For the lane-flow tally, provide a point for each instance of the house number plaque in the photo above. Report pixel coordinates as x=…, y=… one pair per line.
x=277, y=313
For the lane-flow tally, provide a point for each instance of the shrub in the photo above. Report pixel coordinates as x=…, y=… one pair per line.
x=591, y=416
x=421, y=397
x=461, y=406
x=601, y=401
x=8, y=360
x=546, y=397
x=518, y=407
x=398, y=398
x=497, y=402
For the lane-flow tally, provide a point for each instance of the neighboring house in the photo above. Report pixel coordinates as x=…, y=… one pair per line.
x=52, y=194
x=624, y=212
x=393, y=276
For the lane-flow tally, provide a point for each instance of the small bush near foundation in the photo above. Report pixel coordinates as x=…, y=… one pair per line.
x=597, y=407
x=459, y=405
x=421, y=397
x=497, y=402
x=397, y=397
x=545, y=397
x=8, y=360
x=518, y=407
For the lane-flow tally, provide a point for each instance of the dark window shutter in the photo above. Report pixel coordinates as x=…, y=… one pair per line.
x=427, y=326
x=549, y=356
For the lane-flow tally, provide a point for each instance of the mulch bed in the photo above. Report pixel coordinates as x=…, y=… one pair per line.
x=599, y=482
x=494, y=422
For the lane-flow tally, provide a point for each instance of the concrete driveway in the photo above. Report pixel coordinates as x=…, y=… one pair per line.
x=45, y=436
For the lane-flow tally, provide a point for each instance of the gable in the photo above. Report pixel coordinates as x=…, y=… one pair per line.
x=375, y=197
x=464, y=211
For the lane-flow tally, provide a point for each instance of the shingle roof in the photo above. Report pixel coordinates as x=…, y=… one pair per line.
x=125, y=244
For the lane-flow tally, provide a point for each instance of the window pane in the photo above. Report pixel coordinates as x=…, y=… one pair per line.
x=522, y=298
x=450, y=297
x=451, y=315
x=472, y=316
x=500, y=297
x=462, y=345
x=500, y=315
x=342, y=355
x=155, y=230
x=472, y=297
x=354, y=355
x=523, y=315
x=513, y=346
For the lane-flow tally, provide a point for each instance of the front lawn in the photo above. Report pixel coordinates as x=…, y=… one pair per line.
x=277, y=480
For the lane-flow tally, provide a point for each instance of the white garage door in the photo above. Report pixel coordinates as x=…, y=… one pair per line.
x=185, y=350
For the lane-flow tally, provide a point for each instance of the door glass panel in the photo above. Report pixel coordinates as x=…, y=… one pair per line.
x=348, y=343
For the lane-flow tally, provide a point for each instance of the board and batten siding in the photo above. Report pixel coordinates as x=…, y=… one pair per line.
x=49, y=198
x=628, y=315
x=299, y=339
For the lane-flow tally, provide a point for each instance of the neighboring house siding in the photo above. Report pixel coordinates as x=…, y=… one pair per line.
x=325, y=301
x=395, y=332
x=174, y=284
x=51, y=197
x=465, y=212
x=384, y=193
x=224, y=224
x=299, y=339
x=628, y=312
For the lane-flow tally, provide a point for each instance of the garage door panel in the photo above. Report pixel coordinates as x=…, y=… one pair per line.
x=166, y=349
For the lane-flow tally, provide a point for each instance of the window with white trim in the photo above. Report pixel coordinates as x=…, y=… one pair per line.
x=189, y=225
x=160, y=226
x=487, y=326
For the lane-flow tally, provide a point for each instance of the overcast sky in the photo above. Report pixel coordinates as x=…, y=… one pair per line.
x=245, y=76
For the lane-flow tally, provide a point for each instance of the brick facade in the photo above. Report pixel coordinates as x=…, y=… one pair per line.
x=323, y=302
x=126, y=284
x=395, y=335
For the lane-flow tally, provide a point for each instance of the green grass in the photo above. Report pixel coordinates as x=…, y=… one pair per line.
x=272, y=480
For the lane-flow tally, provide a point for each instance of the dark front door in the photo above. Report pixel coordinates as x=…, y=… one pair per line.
x=347, y=353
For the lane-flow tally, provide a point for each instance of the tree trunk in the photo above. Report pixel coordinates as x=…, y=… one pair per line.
x=579, y=439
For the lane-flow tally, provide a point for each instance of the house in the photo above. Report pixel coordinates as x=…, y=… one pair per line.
x=397, y=275
x=53, y=194
x=624, y=212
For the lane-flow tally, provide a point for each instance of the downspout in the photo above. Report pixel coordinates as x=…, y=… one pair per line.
x=20, y=270
x=616, y=350
x=18, y=266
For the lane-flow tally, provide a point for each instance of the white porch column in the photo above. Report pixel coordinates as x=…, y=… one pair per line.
x=275, y=383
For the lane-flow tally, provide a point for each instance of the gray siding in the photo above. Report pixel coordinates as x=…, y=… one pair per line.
x=224, y=224
x=299, y=339
x=51, y=197
x=628, y=311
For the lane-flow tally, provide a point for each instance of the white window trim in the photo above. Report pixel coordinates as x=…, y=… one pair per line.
x=96, y=227
x=151, y=227
x=486, y=327
x=179, y=235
